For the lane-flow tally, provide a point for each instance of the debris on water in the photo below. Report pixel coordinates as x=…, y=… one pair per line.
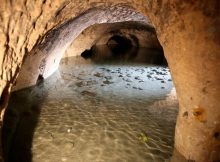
x=80, y=84
x=107, y=82
x=127, y=80
x=98, y=74
x=137, y=78
x=108, y=77
x=88, y=93
x=143, y=137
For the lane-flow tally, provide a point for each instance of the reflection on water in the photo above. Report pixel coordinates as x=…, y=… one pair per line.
x=93, y=113
x=101, y=53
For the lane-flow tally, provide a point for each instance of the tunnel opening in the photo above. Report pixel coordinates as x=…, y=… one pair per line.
x=40, y=79
x=87, y=54
x=121, y=54
x=88, y=109
x=125, y=47
x=119, y=45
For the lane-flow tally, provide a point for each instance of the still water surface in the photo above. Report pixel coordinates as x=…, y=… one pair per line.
x=90, y=112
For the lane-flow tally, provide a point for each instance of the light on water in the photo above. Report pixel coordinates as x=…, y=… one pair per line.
x=94, y=113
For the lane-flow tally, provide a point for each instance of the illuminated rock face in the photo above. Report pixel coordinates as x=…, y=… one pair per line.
x=35, y=34
x=47, y=53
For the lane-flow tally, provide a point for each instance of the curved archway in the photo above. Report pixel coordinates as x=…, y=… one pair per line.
x=46, y=54
x=144, y=45
x=176, y=22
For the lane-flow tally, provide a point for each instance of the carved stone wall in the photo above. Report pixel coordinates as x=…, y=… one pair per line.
x=34, y=30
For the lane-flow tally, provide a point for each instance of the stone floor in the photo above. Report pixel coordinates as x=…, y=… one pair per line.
x=93, y=113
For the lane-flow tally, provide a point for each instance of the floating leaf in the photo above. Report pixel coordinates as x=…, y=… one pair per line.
x=143, y=137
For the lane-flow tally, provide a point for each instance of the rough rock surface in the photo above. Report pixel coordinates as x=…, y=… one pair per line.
x=188, y=31
x=99, y=34
x=49, y=50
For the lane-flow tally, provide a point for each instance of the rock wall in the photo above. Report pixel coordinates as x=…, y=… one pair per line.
x=24, y=24
x=94, y=41
x=188, y=31
x=99, y=34
x=190, y=37
x=46, y=54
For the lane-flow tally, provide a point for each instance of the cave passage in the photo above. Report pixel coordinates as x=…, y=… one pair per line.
x=119, y=45
x=119, y=49
x=120, y=110
x=93, y=112
x=112, y=98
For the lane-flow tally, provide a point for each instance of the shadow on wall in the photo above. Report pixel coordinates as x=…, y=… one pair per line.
x=21, y=118
x=123, y=50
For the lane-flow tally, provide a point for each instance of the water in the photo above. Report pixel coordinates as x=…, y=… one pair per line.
x=93, y=113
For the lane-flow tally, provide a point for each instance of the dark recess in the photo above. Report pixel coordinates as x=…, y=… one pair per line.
x=87, y=54
x=119, y=45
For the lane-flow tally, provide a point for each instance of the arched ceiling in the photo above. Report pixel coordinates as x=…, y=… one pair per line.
x=47, y=52
x=188, y=31
x=98, y=33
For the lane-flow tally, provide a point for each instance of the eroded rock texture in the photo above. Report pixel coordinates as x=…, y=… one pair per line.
x=99, y=34
x=188, y=31
x=49, y=50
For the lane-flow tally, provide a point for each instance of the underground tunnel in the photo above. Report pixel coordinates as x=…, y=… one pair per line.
x=110, y=81
x=119, y=58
